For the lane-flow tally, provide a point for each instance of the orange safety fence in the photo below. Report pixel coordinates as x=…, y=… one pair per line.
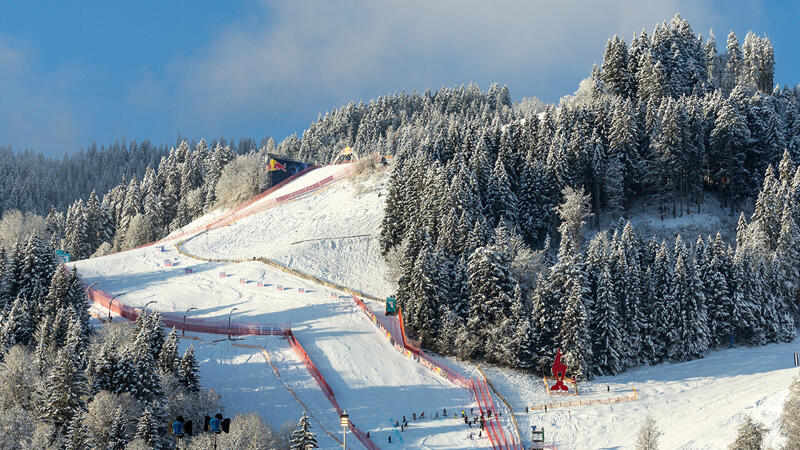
x=598, y=401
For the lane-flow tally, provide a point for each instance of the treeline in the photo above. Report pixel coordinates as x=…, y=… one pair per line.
x=187, y=183
x=32, y=182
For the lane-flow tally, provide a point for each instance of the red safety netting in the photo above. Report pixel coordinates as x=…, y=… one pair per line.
x=326, y=389
x=227, y=217
x=197, y=325
x=411, y=352
x=494, y=428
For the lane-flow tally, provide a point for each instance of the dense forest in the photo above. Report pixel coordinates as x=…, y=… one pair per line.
x=31, y=182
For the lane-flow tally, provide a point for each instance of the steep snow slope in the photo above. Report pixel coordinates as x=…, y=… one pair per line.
x=332, y=234
x=370, y=379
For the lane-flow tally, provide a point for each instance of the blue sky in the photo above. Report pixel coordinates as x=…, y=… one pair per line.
x=73, y=72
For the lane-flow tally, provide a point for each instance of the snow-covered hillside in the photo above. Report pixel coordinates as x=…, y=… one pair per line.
x=331, y=234
x=698, y=404
x=371, y=379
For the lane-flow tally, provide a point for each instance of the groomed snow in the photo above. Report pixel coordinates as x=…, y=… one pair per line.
x=370, y=379
x=325, y=222
x=697, y=404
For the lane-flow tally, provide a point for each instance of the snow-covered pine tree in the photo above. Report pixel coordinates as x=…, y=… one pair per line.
x=17, y=324
x=744, y=317
x=147, y=429
x=614, y=71
x=117, y=434
x=729, y=138
x=491, y=287
x=188, y=371
x=608, y=345
x=302, y=437
x=663, y=315
x=168, y=360
x=145, y=384
x=77, y=435
x=733, y=68
x=575, y=340
x=66, y=390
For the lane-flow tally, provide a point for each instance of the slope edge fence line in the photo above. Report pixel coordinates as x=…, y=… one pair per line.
x=288, y=388
x=598, y=401
x=241, y=329
x=518, y=435
x=234, y=210
x=403, y=346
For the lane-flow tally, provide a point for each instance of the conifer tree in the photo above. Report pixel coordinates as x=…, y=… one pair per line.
x=168, y=360
x=147, y=429
x=608, y=343
x=188, y=375
x=66, y=388
x=117, y=439
x=302, y=437
x=575, y=333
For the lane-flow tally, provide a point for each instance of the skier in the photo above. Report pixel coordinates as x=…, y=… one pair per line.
x=422, y=416
x=444, y=412
x=414, y=416
x=390, y=438
x=396, y=423
x=405, y=421
x=526, y=410
x=437, y=415
x=367, y=434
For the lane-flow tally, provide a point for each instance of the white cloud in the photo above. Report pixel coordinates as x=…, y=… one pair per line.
x=292, y=55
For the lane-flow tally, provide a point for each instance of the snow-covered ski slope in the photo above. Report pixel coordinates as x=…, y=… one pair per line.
x=697, y=404
x=371, y=380
x=332, y=234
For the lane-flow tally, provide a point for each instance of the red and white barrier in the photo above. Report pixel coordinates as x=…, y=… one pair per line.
x=198, y=325
x=242, y=281
x=259, y=284
x=223, y=275
x=326, y=388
